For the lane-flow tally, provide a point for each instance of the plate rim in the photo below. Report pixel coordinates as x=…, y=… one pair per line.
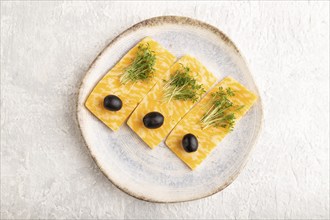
x=154, y=21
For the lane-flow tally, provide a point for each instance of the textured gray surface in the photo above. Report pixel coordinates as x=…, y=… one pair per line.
x=46, y=171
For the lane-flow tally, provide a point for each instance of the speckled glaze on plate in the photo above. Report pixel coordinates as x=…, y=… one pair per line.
x=158, y=175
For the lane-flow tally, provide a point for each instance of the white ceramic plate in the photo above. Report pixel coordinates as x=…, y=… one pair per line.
x=158, y=175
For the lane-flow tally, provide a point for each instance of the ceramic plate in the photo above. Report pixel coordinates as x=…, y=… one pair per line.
x=158, y=175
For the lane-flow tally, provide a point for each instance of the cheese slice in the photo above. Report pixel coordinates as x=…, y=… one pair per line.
x=172, y=110
x=130, y=93
x=208, y=138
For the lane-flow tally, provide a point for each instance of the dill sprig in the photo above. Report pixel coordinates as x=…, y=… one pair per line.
x=222, y=111
x=142, y=67
x=182, y=86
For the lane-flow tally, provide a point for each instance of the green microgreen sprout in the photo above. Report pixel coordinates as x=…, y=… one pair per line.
x=182, y=86
x=222, y=111
x=142, y=66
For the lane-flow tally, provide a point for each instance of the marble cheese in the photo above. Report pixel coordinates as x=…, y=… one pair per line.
x=210, y=137
x=130, y=93
x=173, y=110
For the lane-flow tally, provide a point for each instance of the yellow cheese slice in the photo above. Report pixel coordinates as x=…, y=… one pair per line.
x=130, y=93
x=208, y=138
x=173, y=110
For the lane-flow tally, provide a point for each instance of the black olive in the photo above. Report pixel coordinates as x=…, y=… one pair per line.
x=153, y=120
x=112, y=103
x=190, y=143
